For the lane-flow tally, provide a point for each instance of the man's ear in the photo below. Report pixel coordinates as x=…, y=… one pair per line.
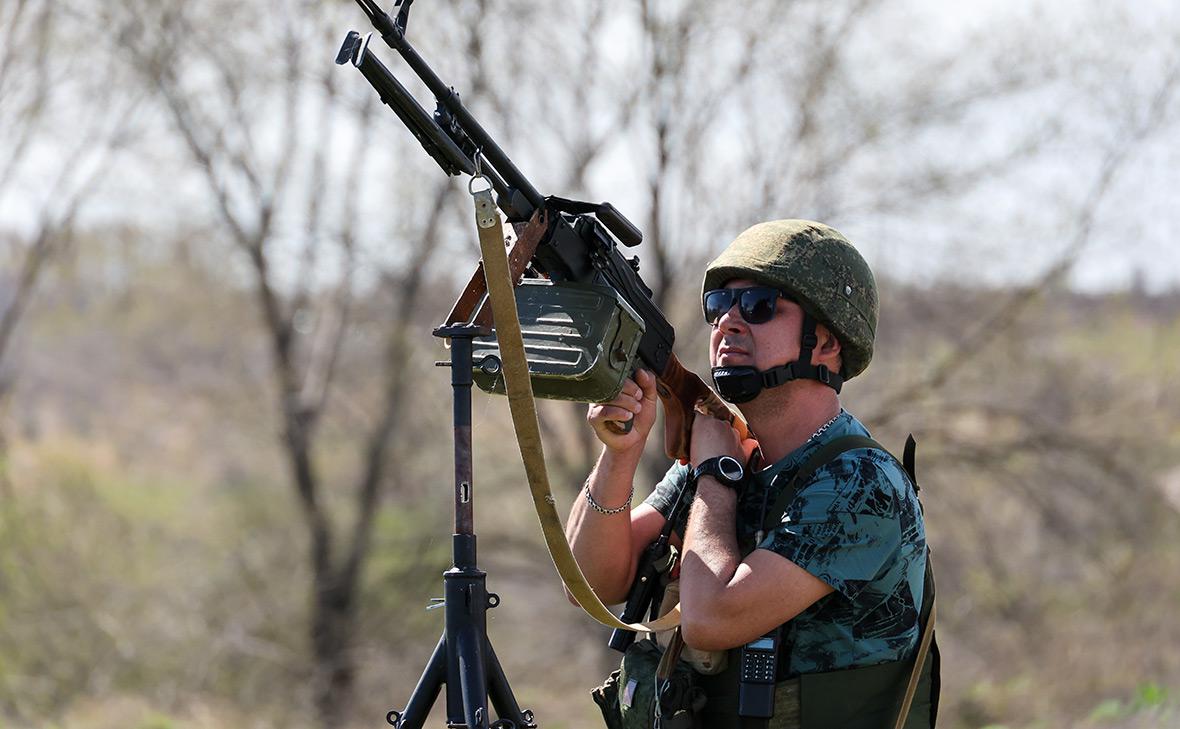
x=827, y=348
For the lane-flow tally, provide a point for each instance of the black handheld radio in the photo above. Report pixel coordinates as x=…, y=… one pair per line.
x=759, y=667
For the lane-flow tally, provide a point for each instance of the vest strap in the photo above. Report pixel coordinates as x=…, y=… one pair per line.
x=825, y=455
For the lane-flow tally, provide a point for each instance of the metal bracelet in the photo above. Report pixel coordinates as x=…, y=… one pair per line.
x=602, y=509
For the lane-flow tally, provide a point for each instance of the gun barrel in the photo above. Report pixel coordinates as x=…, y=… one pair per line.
x=446, y=96
x=433, y=139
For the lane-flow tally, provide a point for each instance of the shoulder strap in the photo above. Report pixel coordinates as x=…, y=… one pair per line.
x=823, y=456
x=927, y=648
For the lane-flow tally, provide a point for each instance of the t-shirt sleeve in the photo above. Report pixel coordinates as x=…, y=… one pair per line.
x=663, y=495
x=843, y=527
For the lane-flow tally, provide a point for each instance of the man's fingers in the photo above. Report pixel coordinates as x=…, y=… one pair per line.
x=631, y=389
x=647, y=381
x=613, y=412
x=630, y=397
x=749, y=445
x=637, y=396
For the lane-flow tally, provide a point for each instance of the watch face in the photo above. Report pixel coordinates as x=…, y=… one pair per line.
x=730, y=468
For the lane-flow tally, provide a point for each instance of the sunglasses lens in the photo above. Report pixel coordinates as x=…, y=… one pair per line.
x=717, y=302
x=758, y=305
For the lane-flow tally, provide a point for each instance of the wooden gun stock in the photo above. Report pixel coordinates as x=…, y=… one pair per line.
x=683, y=392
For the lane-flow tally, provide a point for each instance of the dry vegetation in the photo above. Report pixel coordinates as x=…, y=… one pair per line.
x=152, y=574
x=225, y=451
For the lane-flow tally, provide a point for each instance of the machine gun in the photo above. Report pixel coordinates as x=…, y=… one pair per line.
x=582, y=296
x=570, y=243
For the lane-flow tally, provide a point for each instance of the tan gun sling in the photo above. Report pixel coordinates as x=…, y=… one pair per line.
x=524, y=419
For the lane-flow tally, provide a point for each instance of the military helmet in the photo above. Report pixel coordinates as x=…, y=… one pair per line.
x=818, y=268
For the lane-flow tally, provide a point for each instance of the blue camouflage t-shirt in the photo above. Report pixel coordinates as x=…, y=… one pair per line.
x=858, y=527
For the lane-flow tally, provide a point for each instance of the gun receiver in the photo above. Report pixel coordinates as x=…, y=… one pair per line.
x=581, y=241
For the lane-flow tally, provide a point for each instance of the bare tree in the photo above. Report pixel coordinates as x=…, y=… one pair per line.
x=44, y=181
x=288, y=207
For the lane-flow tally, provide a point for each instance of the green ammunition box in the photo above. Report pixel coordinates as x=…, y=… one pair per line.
x=581, y=341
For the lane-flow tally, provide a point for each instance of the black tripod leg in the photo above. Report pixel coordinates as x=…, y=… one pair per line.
x=425, y=693
x=472, y=678
x=501, y=692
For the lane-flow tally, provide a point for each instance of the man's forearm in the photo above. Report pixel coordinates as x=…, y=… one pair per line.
x=711, y=557
x=602, y=543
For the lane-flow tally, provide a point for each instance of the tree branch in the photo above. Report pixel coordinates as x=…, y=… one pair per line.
x=1017, y=303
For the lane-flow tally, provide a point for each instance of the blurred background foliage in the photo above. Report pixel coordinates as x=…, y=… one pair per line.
x=224, y=448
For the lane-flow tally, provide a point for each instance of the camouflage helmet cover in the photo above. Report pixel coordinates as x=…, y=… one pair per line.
x=815, y=266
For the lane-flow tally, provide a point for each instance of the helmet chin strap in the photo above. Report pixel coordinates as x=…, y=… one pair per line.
x=742, y=384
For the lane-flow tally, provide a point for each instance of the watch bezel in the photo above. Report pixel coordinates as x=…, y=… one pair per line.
x=718, y=468
x=741, y=472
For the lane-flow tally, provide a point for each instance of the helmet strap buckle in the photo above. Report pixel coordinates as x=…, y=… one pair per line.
x=823, y=374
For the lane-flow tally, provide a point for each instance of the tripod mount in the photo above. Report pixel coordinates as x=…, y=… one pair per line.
x=464, y=659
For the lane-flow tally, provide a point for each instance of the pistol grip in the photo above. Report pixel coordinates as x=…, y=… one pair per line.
x=621, y=427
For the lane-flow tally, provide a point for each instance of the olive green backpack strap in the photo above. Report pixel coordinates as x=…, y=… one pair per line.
x=823, y=456
x=927, y=643
x=927, y=650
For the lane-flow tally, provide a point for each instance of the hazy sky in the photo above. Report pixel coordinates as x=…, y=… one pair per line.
x=1136, y=224
x=1136, y=231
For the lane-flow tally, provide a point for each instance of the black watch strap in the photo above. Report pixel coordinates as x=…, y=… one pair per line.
x=727, y=470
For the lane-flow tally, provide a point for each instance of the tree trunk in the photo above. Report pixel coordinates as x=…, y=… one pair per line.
x=333, y=622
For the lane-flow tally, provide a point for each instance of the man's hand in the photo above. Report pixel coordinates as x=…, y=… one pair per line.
x=713, y=437
x=636, y=402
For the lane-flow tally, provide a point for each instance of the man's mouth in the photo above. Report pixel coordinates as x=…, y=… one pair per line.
x=729, y=352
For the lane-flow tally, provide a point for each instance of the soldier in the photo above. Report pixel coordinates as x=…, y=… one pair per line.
x=836, y=581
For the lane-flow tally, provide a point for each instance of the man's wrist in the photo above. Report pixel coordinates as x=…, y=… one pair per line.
x=627, y=459
x=608, y=510
x=725, y=471
x=614, y=468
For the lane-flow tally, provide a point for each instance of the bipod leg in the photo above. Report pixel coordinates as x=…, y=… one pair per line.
x=501, y=692
x=425, y=693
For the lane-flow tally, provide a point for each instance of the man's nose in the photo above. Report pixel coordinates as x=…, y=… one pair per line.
x=732, y=319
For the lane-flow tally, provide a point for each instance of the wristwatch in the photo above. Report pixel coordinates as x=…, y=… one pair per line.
x=726, y=469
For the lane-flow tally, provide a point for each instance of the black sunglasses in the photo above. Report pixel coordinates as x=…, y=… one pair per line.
x=756, y=304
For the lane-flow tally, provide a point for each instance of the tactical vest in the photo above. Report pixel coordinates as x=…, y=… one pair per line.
x=853, y=698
